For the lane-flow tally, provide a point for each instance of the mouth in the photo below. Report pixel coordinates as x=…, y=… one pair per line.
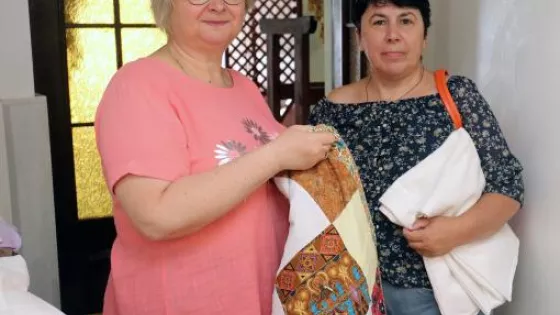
x=393, y=54
x=216, y=23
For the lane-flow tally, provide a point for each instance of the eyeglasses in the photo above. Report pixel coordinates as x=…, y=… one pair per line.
x=202, y=2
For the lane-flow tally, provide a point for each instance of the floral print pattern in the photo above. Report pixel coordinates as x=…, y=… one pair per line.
x=228, y=151
x=256, y=130
x=389, y=138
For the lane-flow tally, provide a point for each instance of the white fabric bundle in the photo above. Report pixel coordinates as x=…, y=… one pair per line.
x=473, y=277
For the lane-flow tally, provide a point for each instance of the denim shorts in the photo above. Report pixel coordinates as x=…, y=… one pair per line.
x=415, y=301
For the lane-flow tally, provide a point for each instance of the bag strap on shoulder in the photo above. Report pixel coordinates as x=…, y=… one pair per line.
x=446, y=98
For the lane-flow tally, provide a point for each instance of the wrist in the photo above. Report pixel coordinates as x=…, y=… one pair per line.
x=464, y=226
x=272, y=157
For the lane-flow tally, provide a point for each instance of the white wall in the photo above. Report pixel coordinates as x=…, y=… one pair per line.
x=16, y=68
x=436, y=35
x=5, y=192
x=31, y=208
x=489, y=41
x=26, y=193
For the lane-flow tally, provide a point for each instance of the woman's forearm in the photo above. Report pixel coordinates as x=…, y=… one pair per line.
x=163, y=210
x=486, y=217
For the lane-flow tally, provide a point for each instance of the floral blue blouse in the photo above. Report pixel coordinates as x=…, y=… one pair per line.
x=389, y=138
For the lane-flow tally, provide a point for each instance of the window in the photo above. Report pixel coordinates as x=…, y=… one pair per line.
x=247, y=53
x=101, y=36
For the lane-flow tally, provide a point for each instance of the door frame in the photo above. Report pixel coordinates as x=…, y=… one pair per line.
x=345, y=63
x=83, y=245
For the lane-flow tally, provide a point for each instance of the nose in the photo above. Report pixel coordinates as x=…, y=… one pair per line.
x=393, y=34
x=217, y=5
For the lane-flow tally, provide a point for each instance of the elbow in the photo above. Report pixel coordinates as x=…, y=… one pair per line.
x=516, y=207
x=151, y=230
x=513, y=205
x=508, y=206
x=158, y=230
x=150, y=224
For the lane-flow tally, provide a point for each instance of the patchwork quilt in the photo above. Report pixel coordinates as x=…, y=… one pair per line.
x=330, y=262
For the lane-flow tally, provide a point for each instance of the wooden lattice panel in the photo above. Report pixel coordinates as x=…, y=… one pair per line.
x=247, y=52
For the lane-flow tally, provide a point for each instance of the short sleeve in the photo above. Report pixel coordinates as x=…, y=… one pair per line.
x=138, y=131
x=502, y=170
x=316, y=113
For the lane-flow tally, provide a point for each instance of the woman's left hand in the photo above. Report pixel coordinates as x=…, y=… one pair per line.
x=435, y=236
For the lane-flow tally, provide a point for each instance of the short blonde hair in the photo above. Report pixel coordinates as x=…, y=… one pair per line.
x=161, y=9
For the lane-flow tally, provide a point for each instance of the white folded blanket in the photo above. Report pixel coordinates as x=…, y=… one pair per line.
x=473, y=277
x=15, y=299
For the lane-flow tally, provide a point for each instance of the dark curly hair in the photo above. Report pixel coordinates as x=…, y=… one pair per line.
x=359, y=7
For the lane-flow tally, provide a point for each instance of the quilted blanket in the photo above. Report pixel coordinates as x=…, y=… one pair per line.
x=330, y=262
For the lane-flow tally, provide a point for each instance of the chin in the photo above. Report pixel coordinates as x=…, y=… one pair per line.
x=396, y=69
x=218, y=40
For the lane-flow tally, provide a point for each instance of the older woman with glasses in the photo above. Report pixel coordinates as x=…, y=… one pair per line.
x=188, y=149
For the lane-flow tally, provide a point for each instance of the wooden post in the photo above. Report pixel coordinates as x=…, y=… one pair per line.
x=300, y=28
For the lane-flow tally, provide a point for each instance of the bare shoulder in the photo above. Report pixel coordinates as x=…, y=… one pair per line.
x=350, y=93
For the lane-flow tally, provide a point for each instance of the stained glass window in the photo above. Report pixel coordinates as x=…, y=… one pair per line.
x=101, y=36
x=93, y=199
x=89, y=11
x=135, y=12
x=91, y=63
x=150, y=38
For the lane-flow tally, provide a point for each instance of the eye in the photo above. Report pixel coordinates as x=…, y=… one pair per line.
x=379, y=22
x=407, y=21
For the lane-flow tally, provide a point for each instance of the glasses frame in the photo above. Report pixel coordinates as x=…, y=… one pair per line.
x=204, y=2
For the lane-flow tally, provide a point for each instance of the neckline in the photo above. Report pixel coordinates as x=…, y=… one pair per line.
x=434, y=95
x=192, y=80
x=384, y=102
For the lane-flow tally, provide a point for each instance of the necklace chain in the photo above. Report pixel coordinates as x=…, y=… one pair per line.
x=402, y=95
x=183, y=68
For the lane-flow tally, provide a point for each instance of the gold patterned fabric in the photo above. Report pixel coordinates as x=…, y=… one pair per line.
x=330, y=263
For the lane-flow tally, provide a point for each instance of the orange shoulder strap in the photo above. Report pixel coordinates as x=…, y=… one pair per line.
x=447, y=99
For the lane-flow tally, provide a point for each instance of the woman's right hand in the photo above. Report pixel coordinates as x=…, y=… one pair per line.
x=300, y=148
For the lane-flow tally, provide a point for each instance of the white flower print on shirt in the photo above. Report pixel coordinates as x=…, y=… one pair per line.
x=229, y=151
